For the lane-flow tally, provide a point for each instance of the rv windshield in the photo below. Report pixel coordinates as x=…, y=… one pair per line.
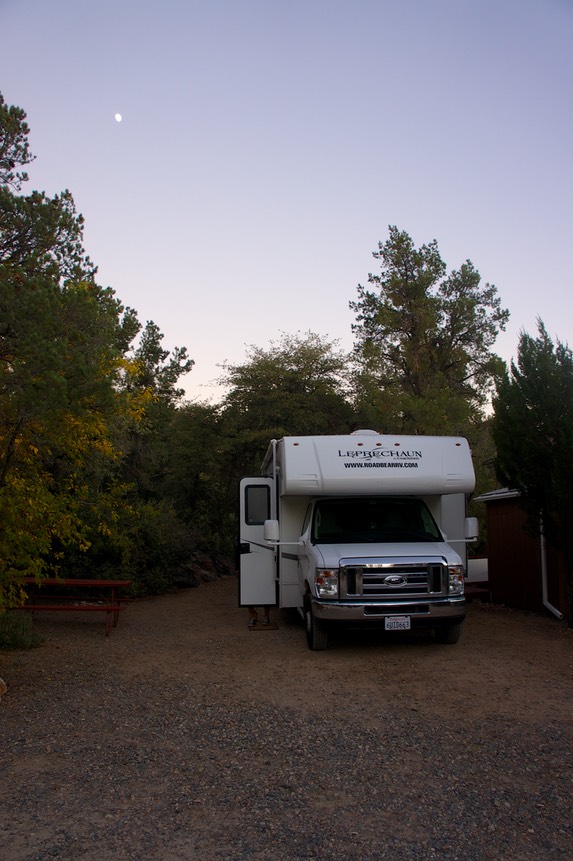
x=360, y=520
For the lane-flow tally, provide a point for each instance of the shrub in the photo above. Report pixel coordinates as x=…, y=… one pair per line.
x=17, y=631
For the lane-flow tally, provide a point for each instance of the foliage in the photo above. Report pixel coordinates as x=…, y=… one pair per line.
x=17, y=631
x=154, y=369
x=59, y=351
x=83, y=414
x=14, y=146
x=149, y=386
x=293, y=387
x=40, y=235
x=194, y=479
x=533, y=434
x=424, y=339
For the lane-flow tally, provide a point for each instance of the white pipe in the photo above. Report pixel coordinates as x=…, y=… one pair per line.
x=546, y=603
x=275, y=479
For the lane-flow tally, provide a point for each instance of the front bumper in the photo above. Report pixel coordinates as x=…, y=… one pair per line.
x=422, y=613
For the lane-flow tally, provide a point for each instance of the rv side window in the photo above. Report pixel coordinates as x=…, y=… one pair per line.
x=306, y=520
x=428, y=521
x=257, y=504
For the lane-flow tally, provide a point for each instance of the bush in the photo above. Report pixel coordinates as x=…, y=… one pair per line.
x=17, y=631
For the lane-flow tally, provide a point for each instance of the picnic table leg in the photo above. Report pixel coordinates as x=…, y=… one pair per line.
x=115, y=603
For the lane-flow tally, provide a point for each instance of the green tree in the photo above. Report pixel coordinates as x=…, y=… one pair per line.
x=156, y=369
x=60, y=348
x=196, y=477
x=149, y=383
x=424, y=339
x=533, y=433
x=85, y=416
x=135, y=527
x=131, y=521
x=295, y=386
x=14, y=146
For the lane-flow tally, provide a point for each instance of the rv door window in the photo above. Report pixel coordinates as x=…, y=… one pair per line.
x=257, y=504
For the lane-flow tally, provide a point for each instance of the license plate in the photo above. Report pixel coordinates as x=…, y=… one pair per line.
x=397, y=623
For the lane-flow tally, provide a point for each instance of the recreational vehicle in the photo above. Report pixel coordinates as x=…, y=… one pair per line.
x=361, y=529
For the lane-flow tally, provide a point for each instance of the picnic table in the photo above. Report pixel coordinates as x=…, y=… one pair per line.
x=77, y=595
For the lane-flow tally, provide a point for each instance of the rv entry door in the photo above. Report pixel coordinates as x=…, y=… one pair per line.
x=257, y=559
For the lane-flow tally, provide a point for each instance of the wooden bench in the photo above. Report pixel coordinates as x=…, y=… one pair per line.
x=99, y=596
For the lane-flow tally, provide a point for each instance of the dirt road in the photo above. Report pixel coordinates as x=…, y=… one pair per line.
x=186, y=736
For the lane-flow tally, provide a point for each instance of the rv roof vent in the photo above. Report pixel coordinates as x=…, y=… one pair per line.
x=364, y=433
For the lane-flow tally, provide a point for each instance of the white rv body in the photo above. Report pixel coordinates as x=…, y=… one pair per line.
x=359, y=572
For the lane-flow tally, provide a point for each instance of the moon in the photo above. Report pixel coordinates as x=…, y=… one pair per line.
x=118, y=118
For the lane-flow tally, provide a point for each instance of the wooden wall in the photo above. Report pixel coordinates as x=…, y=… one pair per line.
x=514, y=561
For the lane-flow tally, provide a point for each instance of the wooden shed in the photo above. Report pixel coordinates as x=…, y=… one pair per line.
x=524, y=570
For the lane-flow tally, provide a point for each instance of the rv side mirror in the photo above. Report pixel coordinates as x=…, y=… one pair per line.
x=271, y=530
x=472, y=529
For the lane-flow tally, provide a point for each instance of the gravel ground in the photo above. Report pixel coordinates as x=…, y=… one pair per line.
x=186, y=736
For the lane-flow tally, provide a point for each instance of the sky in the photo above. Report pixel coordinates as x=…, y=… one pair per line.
x=265, y=147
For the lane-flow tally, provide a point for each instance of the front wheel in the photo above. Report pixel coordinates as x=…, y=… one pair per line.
x=448, y=633
x=316, y=633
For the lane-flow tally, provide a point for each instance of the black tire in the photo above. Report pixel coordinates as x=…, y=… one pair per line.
x=448, y=633
x=316, y=633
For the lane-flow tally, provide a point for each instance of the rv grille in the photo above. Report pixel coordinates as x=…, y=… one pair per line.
x=392, y=578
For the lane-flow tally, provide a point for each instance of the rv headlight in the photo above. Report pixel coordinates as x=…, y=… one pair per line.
x=326, y=582
x=456, y=573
